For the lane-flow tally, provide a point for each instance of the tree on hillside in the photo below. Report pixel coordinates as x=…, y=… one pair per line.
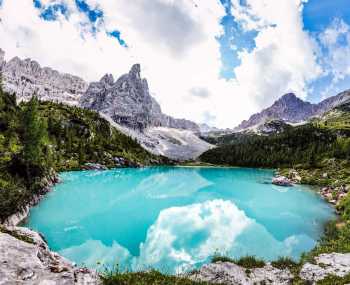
x=34, y=137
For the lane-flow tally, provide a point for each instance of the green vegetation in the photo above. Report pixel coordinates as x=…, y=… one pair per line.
x=39, y=138
x=284, y=263
x=245, y=261
x=222, y=258
x=305, y=146
x=16, y=235
x=335, y=280
x=250, y=262
x=152, y=277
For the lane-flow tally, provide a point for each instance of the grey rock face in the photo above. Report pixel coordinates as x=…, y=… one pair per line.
x=291, y=109
x=337, y=264
x=27, y=77
x=2, y=58
x=128, y=102
x=29, y=261
x=230, y=273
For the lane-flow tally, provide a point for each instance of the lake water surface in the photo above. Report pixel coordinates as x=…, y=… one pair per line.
x=176, y=219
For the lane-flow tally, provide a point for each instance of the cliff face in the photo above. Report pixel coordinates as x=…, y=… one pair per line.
x=26, y=77
x=128, y=102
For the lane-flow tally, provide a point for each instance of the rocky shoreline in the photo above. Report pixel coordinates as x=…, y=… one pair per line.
x=26, y=259
x=332, y=264
x=46, y=185
x=331, y=194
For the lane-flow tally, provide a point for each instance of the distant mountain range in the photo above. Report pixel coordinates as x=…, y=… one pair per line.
x=126, y=101
x=291, y=109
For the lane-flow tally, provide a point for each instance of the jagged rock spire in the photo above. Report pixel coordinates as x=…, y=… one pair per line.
x=135, y=71
x=107, y=79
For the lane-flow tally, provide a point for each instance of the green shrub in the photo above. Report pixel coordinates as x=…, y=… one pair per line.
x=222, y=258
x=152, y=277
x=250, y=262
x=284, y=263
x=334, y=280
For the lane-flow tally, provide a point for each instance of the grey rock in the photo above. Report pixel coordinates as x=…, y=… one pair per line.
x=289, y=108
x=29, y=261
x=272, y=127
x=94, y=166
x=326, y=264
x=2, y=59
x=230, y=273
x=282, y=181
x=128, y=102
x=26, y=77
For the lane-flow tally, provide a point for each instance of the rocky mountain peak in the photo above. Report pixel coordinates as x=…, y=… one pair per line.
x=26, y=77
x=291, y=109
x=288, y=97
x=135, y=72
x=129, y=103
x=290, y=100
x=107, y=79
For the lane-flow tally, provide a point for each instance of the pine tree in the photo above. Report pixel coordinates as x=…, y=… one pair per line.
x=34, y=136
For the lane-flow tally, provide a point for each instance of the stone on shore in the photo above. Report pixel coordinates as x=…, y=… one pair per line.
x=282, y=181
x=94, y=166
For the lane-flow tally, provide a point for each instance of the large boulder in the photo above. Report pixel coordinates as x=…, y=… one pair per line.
x=26, y=259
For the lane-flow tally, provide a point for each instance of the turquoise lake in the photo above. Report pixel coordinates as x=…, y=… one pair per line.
x=176, y=218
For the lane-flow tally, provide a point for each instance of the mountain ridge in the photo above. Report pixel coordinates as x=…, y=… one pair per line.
x=26, y=77
x=128, y=102
x=291, y=109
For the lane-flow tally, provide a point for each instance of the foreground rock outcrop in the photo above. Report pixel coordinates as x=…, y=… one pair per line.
x=326, y=265
x=337, y=264
x=26, y=259
x=230, y=273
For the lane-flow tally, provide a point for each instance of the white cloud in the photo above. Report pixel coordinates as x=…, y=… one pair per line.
x=184, y=236
x=336, y=40
x=284, y=58
x=175, y=41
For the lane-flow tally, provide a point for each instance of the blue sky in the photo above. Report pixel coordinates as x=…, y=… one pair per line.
x=213, y=61
x=317, y=16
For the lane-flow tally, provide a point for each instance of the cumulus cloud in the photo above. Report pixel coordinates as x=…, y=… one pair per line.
x=284, y=58
x=176, y=44
x=335, y=39
x=184, y=236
